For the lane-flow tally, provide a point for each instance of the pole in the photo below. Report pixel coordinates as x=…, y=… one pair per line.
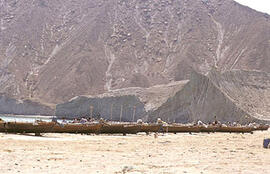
x=111, y=111
x=91, y=111
x=121, y=113
x=134, y=112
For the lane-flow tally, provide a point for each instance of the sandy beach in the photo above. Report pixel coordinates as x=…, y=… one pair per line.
x=167, y=154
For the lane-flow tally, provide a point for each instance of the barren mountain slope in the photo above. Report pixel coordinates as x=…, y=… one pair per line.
x=236, y=95
x=249, y=90
x=55, y=50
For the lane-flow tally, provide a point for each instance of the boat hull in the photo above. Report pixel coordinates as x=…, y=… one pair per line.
x=150, y=128
x=181, y=128
x=117, y=128
x=2, y=127
x=234, y=129
x=120, y=128
x=17, y=127
x=77, y=128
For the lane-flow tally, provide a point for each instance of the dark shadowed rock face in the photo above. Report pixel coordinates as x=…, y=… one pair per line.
x=23, y=107
x=54, y=50
x=111, y=108
x=134, y=102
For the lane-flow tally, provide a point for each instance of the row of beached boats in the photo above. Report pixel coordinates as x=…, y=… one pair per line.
x=119, y=128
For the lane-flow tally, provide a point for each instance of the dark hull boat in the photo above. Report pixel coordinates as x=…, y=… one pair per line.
x=77, y=128
x=235, y=129
x=181, y=128
x=209, y=128
x=117, y=128
x=120, y=128
x=17, y=127
x=262, y=127
x=150, y=128
x=2, y=127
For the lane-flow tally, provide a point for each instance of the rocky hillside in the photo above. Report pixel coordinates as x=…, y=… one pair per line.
x=248, y=90
x=52, y=51
x=24, y=107
x=130, y=103
x=241, y=96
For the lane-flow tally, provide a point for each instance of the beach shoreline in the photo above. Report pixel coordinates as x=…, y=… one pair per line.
x=169, y=153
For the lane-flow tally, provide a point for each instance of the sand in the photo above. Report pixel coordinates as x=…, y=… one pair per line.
x=167, y=154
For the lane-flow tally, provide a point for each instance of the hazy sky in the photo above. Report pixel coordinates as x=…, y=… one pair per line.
x=259, y=5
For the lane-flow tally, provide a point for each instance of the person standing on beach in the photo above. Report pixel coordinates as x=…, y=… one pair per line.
x=161, y=124
x=54, y=119
x=83, y=120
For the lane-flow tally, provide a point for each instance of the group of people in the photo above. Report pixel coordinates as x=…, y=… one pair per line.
x=85, y=120
x=82, y=120
x=231, y=124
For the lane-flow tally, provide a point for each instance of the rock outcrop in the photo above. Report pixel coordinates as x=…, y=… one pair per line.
x=248, y=90
x=235, y=96
x=130, y=103
x=24, y=107
x=121, y=108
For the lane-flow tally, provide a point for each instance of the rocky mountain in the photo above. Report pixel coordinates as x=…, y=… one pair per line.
x=53, y=50
x=180, y=60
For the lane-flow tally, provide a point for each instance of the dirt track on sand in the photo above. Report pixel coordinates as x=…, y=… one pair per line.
x=169, y=153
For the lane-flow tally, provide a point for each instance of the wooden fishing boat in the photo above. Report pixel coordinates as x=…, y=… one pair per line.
x=236, y=129
x=119, y=128
x=77, y=128
x=149, y=128
x=131, y=128
x=2, y=126
x=43, y=127
x=19, y=127
x=261, y=127
x=181, y=128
